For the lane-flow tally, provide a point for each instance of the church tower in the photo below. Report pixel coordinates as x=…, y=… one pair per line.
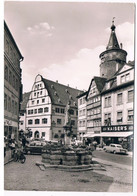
x=113, y=58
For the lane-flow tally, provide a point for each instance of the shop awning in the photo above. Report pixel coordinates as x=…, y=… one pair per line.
x=110, y=134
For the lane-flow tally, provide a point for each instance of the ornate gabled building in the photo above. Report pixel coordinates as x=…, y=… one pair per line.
x=12, y=84
x=94, y=105
x=45, y=110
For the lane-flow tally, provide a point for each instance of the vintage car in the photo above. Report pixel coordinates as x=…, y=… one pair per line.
x=34, y=147
x=115, y=148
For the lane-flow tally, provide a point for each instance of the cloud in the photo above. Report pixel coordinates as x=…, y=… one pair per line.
x=41, y=28
x=78, y=71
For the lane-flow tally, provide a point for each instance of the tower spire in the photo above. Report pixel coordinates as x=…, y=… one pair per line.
x=113, y=42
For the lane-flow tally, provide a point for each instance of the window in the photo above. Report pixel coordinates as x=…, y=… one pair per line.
x=5, y=101
x=40, y=110
x=44, y=121
x=37, y=121
x=12, y=106
x=10, y=77
x=46, y=109
x=16, y=84
x=107, y=101
x=119, y=98
x=37, y=93
x=59, y=121
x=122, y=79
x=40, y=92
x=119, y=116
x=30, y=122
x=37, y=101
x=107, y=119
x=6, y=73
x=72, y=112
x=13, y=81
x=57, y=110
x=62, y=111
x=31, y=111
x=34, y=94
x=43, y=100
x=125, y=78
x=56, y=135
x=43, y=134
x=16, y=108
x=130, y=115
x=35, y=111
x=130, y=96
x=28, y=111
x=73, y=122
x=32, y=102
x=9, y=104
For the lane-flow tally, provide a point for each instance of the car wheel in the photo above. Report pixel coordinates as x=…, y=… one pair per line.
x=114, y=152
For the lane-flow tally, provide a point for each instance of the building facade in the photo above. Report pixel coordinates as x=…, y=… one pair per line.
x=12, y=84
x=118, y=106
x=94, y=105
x=110, y=103
x=82, y=115
x=45, y=110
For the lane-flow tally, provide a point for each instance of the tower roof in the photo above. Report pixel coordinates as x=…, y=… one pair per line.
x=113, y=42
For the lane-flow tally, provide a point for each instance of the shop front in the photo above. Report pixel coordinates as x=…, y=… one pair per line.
x=10, y=129
x=119, y=134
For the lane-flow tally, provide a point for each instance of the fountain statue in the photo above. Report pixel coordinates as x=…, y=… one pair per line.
x=67, y=125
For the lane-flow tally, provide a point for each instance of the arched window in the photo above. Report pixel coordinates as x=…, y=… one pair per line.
x=30, y=122
x=46, y=109
x=36, y=134
x=37, y=121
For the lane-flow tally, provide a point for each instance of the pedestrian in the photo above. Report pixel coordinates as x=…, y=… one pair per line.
x=12, y=147
x=24, y=141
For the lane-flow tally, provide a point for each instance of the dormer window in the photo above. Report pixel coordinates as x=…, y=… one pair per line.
x=52, y=86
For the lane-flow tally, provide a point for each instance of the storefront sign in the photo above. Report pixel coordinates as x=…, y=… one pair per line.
x=117, y=128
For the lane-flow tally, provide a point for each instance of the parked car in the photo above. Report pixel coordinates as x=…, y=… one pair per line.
x=115, y=148
x=34, y=147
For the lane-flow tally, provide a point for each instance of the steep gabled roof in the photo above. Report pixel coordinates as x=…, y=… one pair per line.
x=61, y=94
x=25, y=100
x=99, y=81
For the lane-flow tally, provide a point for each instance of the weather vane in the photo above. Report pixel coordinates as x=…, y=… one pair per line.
x=113, y=20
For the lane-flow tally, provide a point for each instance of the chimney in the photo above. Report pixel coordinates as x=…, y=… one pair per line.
x=56, y=81
x=121, y=45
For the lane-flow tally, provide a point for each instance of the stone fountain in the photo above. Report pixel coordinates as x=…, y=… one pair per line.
x=61, y=155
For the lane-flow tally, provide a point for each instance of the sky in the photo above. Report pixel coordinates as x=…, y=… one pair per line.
x=63, y=40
